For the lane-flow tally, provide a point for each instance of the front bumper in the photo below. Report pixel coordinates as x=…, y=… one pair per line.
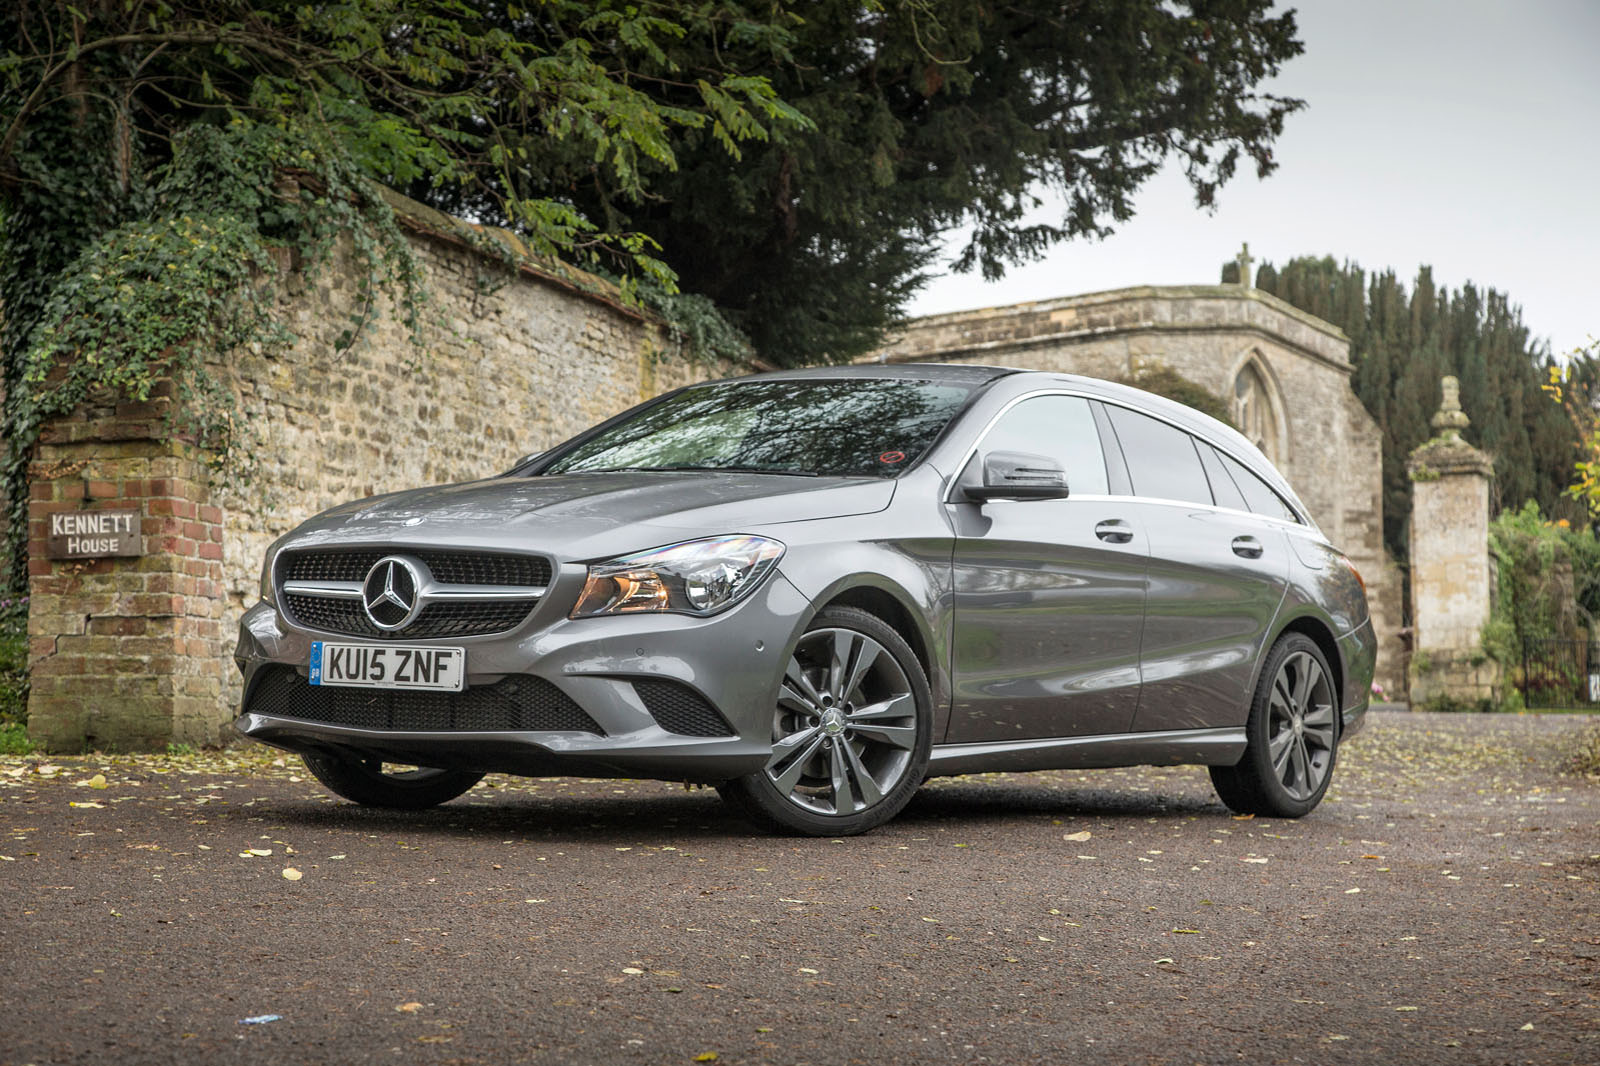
x=733, y=660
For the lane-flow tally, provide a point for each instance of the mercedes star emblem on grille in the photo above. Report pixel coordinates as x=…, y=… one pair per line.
x=390, y=592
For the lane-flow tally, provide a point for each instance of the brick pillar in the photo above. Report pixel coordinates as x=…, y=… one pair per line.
x=125, y=654
x=1450, y=573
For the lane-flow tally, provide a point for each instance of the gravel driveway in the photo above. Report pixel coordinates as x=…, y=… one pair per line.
x=1439, y=907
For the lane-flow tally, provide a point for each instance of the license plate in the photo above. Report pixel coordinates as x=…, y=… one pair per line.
x=381, y=666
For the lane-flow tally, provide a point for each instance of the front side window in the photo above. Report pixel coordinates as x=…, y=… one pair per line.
x=839, y=428
x=1162, y=461
x=1060, y=428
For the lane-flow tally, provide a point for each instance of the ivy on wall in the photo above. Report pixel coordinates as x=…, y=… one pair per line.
x=165, y=165
x=166, y=296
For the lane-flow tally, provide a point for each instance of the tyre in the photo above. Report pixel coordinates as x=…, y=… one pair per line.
x=1292, y=735
x=365, y=781
x=850, y=732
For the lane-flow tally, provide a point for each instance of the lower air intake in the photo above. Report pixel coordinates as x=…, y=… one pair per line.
x=680, y=709
x=512, y=703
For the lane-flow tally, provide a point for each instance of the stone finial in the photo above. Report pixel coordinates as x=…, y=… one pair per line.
x=1450, y=419
x=1245, y=260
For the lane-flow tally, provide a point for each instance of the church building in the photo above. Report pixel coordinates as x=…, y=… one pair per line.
x=1285, y=374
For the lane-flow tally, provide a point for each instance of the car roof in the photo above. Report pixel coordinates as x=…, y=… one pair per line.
x=955, y=373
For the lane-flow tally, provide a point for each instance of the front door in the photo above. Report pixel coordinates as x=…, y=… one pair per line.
x=1049, y=594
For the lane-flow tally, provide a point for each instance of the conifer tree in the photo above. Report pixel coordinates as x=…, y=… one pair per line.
x=1403, y=341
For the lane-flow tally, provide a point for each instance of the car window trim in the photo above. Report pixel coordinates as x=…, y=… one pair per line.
x=1301, y=520
x=966, y=456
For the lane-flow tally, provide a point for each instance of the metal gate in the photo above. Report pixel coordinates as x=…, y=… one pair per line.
x=1560, y=673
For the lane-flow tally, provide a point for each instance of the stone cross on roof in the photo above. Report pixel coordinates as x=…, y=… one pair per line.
x=1245, y=261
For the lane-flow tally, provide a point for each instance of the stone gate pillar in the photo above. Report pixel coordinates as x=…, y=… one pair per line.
x=126, y=651
x=1450, y=572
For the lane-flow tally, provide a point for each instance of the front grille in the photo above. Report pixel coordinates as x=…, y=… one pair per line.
x=680, y=709
x=443, y=619
x=512, y=703
x=448, y=567
x=471, y=619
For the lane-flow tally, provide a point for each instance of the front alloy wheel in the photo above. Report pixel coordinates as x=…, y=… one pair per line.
x=850, y=731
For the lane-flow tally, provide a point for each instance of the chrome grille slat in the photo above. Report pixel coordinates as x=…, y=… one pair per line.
x=468, y=593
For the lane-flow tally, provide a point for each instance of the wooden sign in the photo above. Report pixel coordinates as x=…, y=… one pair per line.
x=93, y=534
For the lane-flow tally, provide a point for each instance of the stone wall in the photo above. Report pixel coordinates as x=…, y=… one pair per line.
x=133, y=653
x=125, y=653
x=1326, y=444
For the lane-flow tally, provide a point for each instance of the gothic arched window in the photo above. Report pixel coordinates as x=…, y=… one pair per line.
x=1253, y=410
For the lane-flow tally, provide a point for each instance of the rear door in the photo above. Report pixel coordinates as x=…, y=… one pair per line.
x=1049, y=594
x=1217, y=576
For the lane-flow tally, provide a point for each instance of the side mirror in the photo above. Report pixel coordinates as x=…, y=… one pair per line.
x=1019, y=476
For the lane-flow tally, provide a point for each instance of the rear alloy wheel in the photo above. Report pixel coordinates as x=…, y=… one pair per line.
x=367, y=782
x=850, y=731
x=1292, y=736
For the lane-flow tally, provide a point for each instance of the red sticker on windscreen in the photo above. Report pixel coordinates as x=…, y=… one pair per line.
x=892, y=457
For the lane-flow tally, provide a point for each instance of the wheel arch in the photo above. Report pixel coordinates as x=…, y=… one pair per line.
x=900, y=609
x=879, y=602
x=1321, y=635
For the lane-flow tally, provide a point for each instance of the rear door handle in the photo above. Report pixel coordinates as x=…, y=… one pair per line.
x=1247, y=547
x=1114, y=531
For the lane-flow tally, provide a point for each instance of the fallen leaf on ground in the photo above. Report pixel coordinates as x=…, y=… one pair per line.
x=1083, y=835
x=91, y=804
x=409, y=1008
x=291, y=874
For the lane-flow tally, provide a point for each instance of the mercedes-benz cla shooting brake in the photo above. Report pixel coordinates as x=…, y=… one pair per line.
x=816, y=589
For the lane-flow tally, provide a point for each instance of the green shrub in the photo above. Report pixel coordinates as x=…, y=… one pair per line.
x=14, y=739
x=1528, y=550
x=13, y=670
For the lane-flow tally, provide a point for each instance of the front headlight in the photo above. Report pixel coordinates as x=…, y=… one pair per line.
x=696, y=577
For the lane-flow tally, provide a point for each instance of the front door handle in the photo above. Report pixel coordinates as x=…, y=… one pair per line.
x=1247, y=547
x=1114, y=531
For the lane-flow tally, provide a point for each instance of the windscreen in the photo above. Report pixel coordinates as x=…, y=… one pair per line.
x=842, y=428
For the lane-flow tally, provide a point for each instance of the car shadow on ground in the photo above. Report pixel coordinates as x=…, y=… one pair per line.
x=700, y=813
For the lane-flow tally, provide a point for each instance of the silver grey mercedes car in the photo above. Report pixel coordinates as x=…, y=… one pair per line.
x=816, y=589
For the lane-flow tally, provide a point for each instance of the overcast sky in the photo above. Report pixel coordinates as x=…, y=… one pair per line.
x=1464, y=134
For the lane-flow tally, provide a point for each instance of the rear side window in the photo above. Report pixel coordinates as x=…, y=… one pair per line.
x=1060, y=427
x=1162, y=461
x=1261, y=497
x=1222, y=484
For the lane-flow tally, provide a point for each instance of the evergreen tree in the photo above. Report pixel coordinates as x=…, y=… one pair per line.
x=924, y=116
x=1402, y=342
